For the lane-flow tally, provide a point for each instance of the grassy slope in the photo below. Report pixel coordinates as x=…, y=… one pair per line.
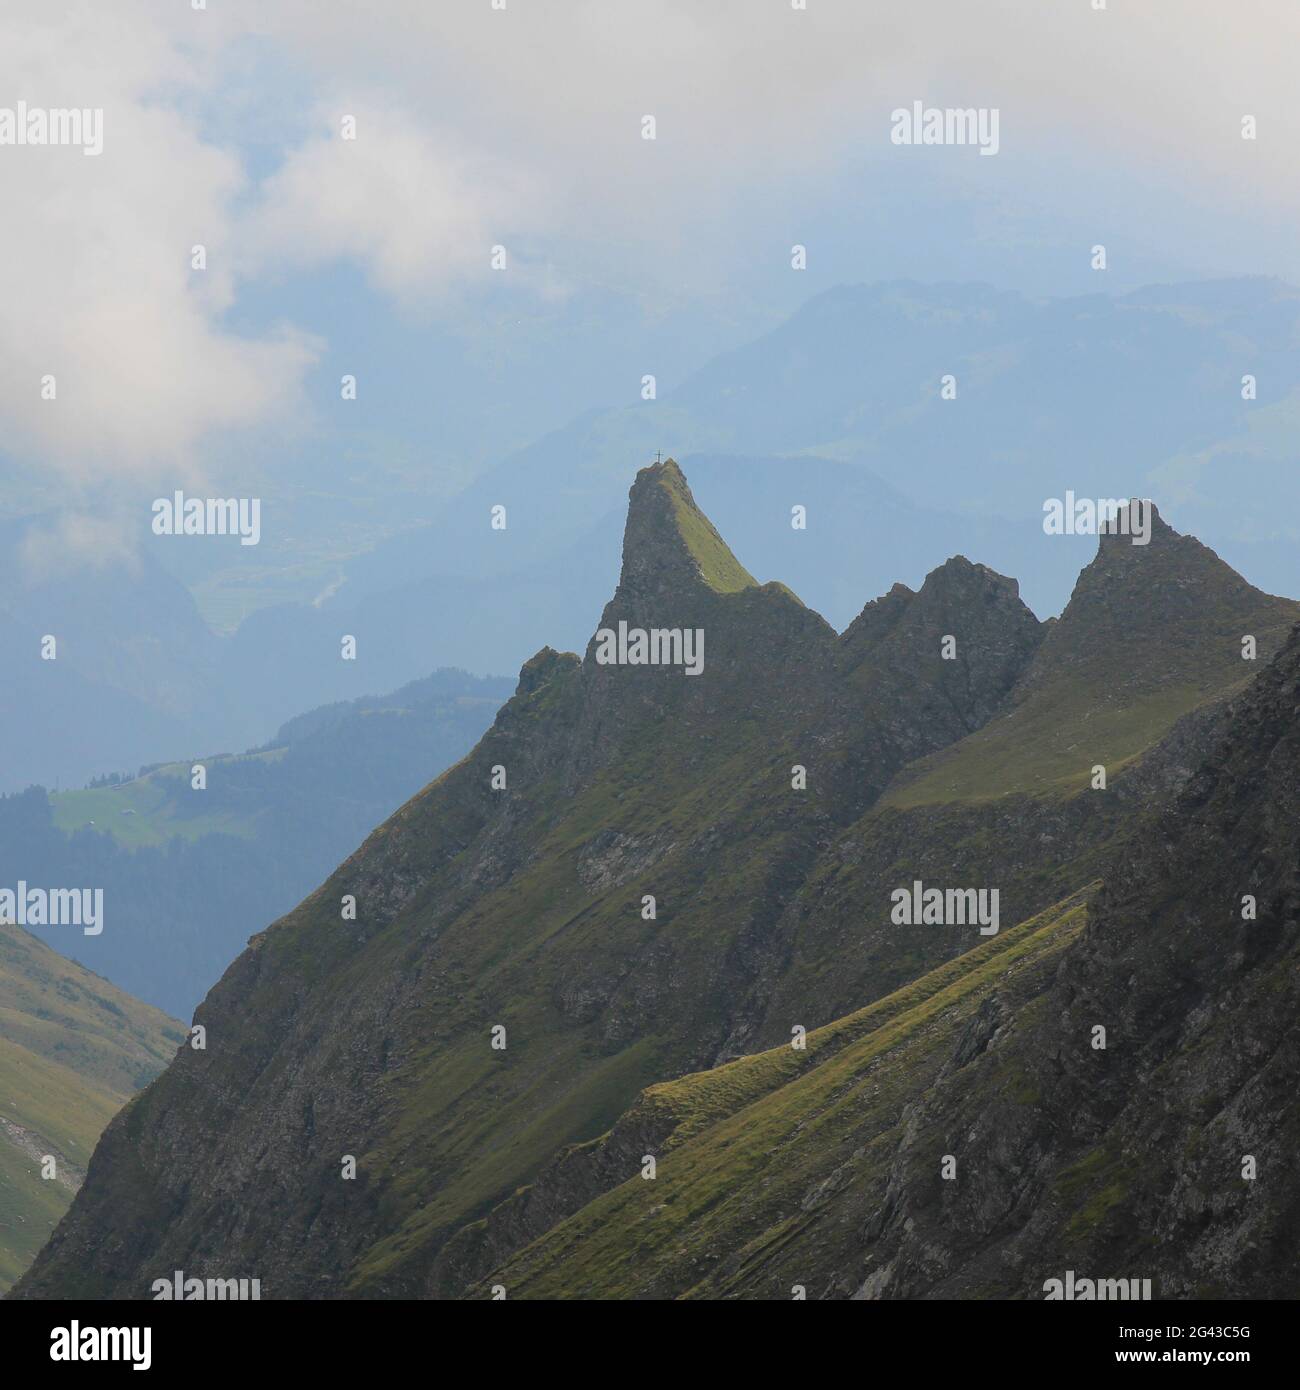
x=73, y=1049
x=1111, y=708
x=489, y=1121
x=465, y=1112
x=755, y=1139
x=1047, y=748
x=161, y=805
x=718, y=567
x=158, y=806
x=1155, y=638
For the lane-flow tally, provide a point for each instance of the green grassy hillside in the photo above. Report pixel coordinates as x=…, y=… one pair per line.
x=155, y=808
x=73, y=1049
x=1150, y=634
x=754, y=1143
x=1116, y=1100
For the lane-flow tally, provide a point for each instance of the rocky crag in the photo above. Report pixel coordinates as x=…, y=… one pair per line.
x=640, y=883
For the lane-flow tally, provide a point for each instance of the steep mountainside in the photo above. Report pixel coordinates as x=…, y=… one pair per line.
x=1132, y=678
x=1159, y=1148
x=1150, y=632
x=767, y=1164
x=72, y=1049
x=637, y=874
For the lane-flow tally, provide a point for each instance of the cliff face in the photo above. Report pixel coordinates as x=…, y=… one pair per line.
x=1107, y=1088
x=1130, y=683
x=629, y=879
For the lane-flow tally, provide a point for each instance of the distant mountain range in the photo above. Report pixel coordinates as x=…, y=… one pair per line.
x=188, y=874
x=622, y=1004
x=839, y=410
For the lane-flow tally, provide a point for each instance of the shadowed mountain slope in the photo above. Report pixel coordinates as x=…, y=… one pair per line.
x=1150, y=632
x=766, y=1165
x=1132, y=678
x=626, y=881
x=1115, y=1099
x=524, y=906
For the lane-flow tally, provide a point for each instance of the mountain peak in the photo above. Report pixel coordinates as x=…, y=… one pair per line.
x=541, y=669
x=1152, y=590
x=960, y=576
x=1129, y=524
x=668, y=540
x=953, y=593
x=1153, y=630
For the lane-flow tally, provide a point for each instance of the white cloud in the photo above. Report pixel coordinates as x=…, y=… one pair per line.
x=95, y=274
x=50, y=550
x=393, y=199
x=525, y=121
x=522, y=126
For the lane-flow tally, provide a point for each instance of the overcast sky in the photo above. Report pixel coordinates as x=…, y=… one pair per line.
x=523, y=127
